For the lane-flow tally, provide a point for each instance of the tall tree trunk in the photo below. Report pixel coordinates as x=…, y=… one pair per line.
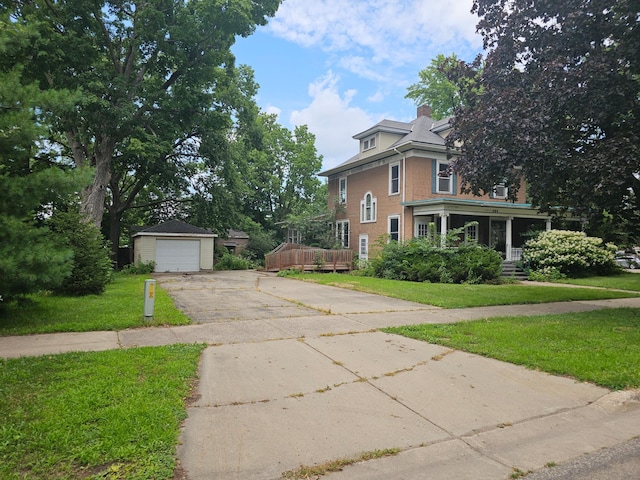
x=115, y=220
x=93, y=197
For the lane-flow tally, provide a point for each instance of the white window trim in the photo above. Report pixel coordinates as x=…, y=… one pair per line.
x=393, y=217
x=363, y=208
x=294, y=235
x=429, y=228
x=391, y=165
x=471, y=234
x=368, y=143
x=340, y=237
x=438, y=178
x=363, y=255
x=505, y=191
x=341, y=200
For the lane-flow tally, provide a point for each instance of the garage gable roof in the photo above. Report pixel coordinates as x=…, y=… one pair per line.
x=176, y=227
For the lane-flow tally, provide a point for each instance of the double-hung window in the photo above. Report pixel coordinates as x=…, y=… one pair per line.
x=394, y=228
x=394, y=178
x=342, y=233
x=342, y=190
x=368, y=207
x=444, y=178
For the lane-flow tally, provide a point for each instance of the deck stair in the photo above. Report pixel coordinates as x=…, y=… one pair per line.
x=513, y=270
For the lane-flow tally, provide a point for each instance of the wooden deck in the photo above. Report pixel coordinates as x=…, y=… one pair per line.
x=303, y=258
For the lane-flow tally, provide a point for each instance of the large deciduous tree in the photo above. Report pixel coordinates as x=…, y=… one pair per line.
x=151, y=79
x=281, y=171
x=435, y=89
x=557, y=103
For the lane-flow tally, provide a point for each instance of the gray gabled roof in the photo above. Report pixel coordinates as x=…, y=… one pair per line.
x=236, y=234
x=387, y=126
x=423, y=131
x=175, y=226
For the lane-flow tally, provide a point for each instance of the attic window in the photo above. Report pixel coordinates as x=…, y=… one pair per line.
x=369, y=143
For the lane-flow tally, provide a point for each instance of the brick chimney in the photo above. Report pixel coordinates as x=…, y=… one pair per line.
x=424, y=111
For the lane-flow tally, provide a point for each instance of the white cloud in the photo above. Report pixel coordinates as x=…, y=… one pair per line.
x=376, y=97
x=365, y=67
x=333, y=120
x=271, y=110
x=378, y=46
x=393, y=31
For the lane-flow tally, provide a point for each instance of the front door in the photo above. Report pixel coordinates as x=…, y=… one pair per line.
x=498, y=235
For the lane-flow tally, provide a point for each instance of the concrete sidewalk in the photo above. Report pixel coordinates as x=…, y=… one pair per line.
x=297, y=374
x=269, y=407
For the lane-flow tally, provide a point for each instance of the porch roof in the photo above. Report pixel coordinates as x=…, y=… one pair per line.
x=466, y=201
x=462, y=206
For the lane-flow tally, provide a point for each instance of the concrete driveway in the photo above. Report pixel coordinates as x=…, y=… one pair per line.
x=298, y=375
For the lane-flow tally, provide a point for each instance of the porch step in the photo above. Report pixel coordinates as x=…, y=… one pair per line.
x=512, y=270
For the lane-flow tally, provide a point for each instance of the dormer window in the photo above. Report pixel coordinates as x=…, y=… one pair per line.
x=368, y=143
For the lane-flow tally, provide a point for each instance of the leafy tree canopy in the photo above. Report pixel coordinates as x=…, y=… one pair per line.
x=435, y=89
x=151, y=79
x=557, y=103
x=281, y=172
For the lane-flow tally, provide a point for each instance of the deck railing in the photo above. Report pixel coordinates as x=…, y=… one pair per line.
x=291, y=255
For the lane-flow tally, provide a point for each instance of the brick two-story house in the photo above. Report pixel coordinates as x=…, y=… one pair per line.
x=398, y=186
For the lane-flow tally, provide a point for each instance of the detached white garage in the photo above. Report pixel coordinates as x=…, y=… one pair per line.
x=175, y=246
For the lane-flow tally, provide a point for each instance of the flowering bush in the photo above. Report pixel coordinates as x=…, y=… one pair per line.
x=563, y=252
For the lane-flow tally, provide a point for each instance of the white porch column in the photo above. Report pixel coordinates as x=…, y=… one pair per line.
x=548, y=224
x=443, y=229
x=508, y=239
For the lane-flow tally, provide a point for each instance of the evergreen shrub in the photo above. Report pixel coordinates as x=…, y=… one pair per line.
x=419, y=260
x=92, y=266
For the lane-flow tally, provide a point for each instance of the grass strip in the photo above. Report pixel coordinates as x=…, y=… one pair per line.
x=601, y=347
x=119, y=307
x=316, y=471
x=113, y=414
x=461, y=296
x=623, y=281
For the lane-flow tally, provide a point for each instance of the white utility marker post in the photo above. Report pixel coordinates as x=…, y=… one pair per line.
x=149, y=298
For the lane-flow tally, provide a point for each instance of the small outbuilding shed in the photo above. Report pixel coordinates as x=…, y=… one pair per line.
x=175, y=246
x=235, y=241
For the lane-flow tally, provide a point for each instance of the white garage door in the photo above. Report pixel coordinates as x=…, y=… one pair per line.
x=177, y=255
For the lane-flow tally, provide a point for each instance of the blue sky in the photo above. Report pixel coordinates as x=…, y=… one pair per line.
x=341, y=66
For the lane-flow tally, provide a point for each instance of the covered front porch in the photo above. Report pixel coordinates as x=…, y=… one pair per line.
x=500, y=225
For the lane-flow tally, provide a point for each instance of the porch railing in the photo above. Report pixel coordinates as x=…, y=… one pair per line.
x=516, y=255
x=291, y=255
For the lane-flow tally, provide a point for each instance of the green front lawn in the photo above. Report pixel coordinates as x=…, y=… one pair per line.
x=623, y=281
x=113, y=414
x=602, y=347
x=119, y=307
x=461, y=296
